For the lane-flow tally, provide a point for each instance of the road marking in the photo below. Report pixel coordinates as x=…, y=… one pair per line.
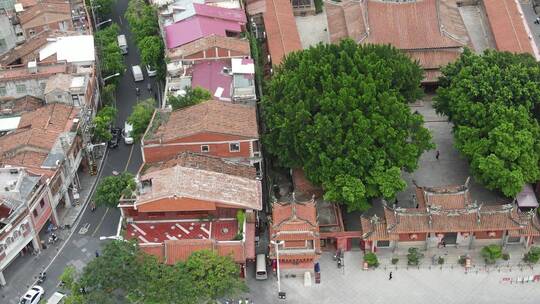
x=129, y=158
x=84, y=228
x=100, y=222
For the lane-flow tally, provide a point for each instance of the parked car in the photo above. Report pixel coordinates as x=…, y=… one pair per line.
x=128, y=128
x=33, y=295
x=116, y=133
x=151, y=73
x=137, y=73
x=56, y=298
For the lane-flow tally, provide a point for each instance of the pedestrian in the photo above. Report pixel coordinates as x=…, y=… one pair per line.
x=444, y=244
x=97, y=254
x=390, y=276
x=537, y=21
x=93, y=206
x=437, y=155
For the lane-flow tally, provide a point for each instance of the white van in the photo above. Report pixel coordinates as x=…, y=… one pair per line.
x=122, y=43
x=137, y=73
x=56, y=298
x=260, y=270
x=128, y=138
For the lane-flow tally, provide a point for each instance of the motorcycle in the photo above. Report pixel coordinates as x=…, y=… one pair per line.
x=53, y=239
x=41, y=277
x=137, y=91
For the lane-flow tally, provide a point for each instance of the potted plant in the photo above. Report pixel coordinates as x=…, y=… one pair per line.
x=440, y=260
x=532, y=256
x=371, y=259
x=395, y=261
x=491, y=253
x=414, y=257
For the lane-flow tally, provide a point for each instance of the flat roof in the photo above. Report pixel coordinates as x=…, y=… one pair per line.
x=71, y=49
x=9, y=123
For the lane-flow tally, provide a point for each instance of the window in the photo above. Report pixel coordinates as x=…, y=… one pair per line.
x=3, y=45
x=35, y=213
x=205, y=148
x=58, y=96
x=234, y=147
x=3, y=91
x=75, y=99
x=43, y=85
x=2, y=247
x=9, y=240
x=301, y=3
x=21, y=88
x=42, y=203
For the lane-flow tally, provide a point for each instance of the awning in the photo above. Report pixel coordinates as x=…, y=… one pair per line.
x=527, y=198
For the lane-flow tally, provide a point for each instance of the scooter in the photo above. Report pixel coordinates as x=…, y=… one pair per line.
x=149, y=87
x=137, y=91
x=41, y=277
x=53, y=239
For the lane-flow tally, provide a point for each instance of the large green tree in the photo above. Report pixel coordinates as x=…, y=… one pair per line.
x=111, y=188
x=142, y=18
x=341, y=113
x=135, y=277
x=190, y=98
x=111, y=59
x=102, y=123
x=152, y=51
x=491, y=99
x=140, y=116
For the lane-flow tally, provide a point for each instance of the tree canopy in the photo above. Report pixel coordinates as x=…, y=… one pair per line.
x=111, y=188
x=125, y=271
x=141, y=116
x=191, y=97
x=109, y=52
x=102, y=123
x=341, y=113
x=492, y=100
x=142, y=18
x=152, y=51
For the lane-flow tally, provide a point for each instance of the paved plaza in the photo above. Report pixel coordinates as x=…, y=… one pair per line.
x=433, y=286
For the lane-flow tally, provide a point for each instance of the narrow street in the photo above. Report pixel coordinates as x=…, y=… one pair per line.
x=83, y=240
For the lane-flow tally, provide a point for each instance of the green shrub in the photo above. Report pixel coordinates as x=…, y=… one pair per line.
x=491, y=253
x=532, y=256
x=318, y=6
x=414, y=257
x=371, y=259
x=440, y=260
x=395, y=261
x=462, y=260
x=506, y=256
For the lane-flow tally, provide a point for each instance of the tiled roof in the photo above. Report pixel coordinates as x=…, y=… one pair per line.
x=303, y=185
x=212, y=41
x=210, y=116
x=284, y=212
x=205, y=178
x=509, y=27
x=22, y=72
x=375, y=229
x=416, y=27
x=217, y=12
x=197, y=27
x=19, y=105
x=38, y=130
x=281, y=31
x=345, y=20
x=180, y=250
x=32, y=45
x=44, y=13
x=409, y=25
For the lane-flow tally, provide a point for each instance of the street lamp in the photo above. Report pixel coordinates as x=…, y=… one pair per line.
x=276, y=244
x=101, y=23
x=111, y=76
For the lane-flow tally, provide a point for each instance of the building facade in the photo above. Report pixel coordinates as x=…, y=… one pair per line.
x=194, y=202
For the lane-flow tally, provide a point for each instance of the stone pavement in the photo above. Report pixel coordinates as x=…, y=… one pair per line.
x=351, y=284
x=312, y=29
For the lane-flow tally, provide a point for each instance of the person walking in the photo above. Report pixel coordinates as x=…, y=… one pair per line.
x=390, y=276
x=97, y=254
x=537, y=21
x=437, y=155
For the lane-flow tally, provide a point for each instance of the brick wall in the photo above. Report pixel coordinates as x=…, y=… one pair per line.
x=160, y=152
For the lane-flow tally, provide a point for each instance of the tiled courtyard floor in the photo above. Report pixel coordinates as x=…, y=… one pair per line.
x=424, y=285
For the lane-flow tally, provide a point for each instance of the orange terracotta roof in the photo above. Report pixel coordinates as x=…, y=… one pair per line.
x=375, y=229
x=22, y=72
x=284, y=212
x=36, y=134
x=281, y=32
x=408, y=25
x=509, y=27
x=303, y=185
x=345, y=20
x=20, y=105
x=180, y=250
x=44, y=13
x=30, y=46
x=210, y=116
